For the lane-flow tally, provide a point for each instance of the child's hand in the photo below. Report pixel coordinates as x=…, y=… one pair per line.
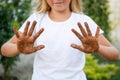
x=25, y=42
x=89, y=42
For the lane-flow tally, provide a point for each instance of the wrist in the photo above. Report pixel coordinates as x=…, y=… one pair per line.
x=17, y=51
x=99, y=49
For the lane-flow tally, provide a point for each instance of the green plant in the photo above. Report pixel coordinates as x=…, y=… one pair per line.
x=98, y=10
x=96, y=71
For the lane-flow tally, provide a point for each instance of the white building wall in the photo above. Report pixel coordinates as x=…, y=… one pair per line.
x=115, y=20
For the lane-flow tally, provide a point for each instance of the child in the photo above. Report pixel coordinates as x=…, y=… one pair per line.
x=60, y=35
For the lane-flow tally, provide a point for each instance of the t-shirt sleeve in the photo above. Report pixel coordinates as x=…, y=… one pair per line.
x=93, y=26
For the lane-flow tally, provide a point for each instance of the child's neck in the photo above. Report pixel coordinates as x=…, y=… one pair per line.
x=59, y=16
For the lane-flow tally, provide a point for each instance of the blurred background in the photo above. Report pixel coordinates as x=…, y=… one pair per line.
x=104, y=12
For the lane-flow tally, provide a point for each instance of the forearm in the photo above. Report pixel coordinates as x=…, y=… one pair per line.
x=109, y=53
x=9, y=49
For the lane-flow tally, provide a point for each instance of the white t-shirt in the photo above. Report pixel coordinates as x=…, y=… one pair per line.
x=58, y=60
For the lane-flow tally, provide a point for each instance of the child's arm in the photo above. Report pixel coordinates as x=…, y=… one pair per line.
x=106, y=49
x=22, y=42
x=9, y=48
x=97, y=43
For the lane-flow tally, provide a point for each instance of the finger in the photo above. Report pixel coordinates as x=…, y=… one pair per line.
x=82, y=30
x=97, y=32
x=16, y=32
x=26, y=28
x=38, y=34
x=32, y=28
x=88, y=29
x=77, y=47
x=77, y=34
x=38, y=48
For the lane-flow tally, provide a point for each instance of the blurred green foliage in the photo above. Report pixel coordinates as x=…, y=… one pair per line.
x=95, y=71
x=12, y=13
x=98, y=10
